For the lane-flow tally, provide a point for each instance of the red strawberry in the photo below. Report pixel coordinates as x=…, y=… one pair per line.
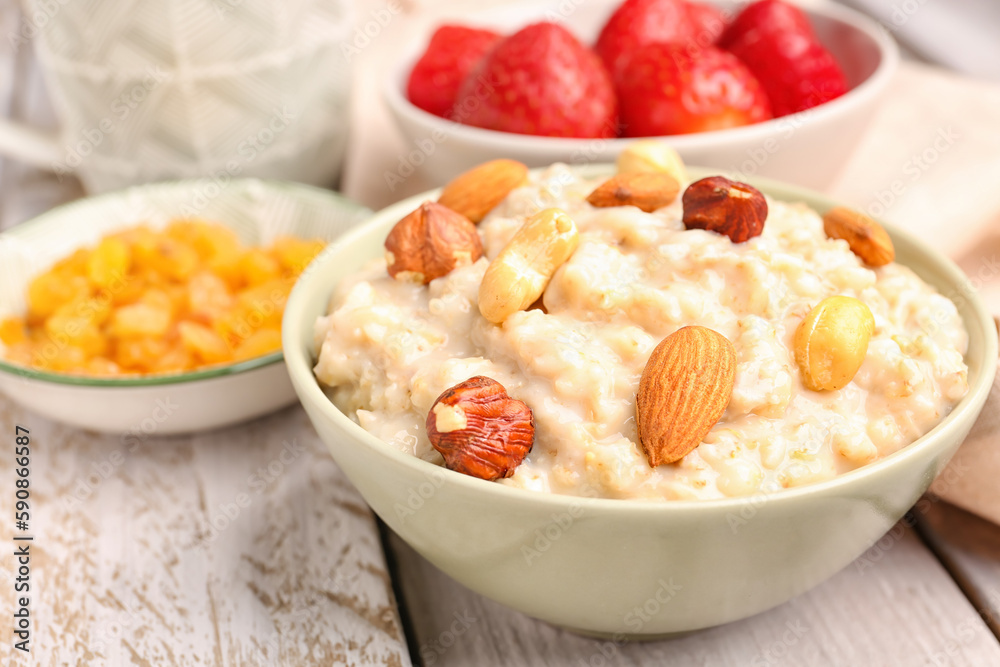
x=639, y=22
x=452, y=52
x=669, y=89
x=539, y=81
x=796, y=72
x=777, y=43
x=764, y=19
x=708, y=20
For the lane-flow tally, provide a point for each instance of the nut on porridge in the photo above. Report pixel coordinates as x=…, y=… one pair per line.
x=640, y=336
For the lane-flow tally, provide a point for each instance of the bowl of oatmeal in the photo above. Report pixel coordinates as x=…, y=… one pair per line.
x=668, y=416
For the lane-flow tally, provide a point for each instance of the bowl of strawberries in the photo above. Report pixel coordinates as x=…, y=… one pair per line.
x=765, y=88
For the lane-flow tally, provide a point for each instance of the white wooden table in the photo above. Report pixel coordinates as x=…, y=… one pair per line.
x=248, y=546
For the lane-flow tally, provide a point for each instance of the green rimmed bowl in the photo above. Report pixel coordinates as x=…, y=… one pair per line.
x=629, y=568
x=258, y=211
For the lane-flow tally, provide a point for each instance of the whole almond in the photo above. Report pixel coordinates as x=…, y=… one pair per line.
x=429, y=243
x=478, y=191
x=866, y=238
x=683, y=391
x=647, y=191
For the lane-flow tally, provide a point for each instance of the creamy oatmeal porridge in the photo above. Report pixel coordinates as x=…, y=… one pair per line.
x=389, y=348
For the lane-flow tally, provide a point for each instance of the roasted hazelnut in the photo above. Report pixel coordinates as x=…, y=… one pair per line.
x=726, y=207
x=480, y=430
x=429, y=243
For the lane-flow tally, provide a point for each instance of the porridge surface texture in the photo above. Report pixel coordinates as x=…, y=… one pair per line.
x=388, y=349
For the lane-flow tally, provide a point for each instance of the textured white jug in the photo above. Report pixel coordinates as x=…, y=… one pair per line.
x=147, y=90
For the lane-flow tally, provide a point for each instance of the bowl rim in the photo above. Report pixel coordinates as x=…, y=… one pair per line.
x=300, y=368
x=171, y=188
x=395, y=84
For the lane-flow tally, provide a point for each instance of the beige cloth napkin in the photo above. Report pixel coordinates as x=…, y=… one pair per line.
x=970, y=480
x=930, y=162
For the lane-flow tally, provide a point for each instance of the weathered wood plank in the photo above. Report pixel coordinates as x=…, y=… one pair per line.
x=895, y=605
x=245, y=546
x=969, y=546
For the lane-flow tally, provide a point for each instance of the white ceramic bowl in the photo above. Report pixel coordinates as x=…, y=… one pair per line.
x=807, y=149
x=257, y=210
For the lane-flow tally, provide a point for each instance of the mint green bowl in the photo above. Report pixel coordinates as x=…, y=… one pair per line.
x=624, y=567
